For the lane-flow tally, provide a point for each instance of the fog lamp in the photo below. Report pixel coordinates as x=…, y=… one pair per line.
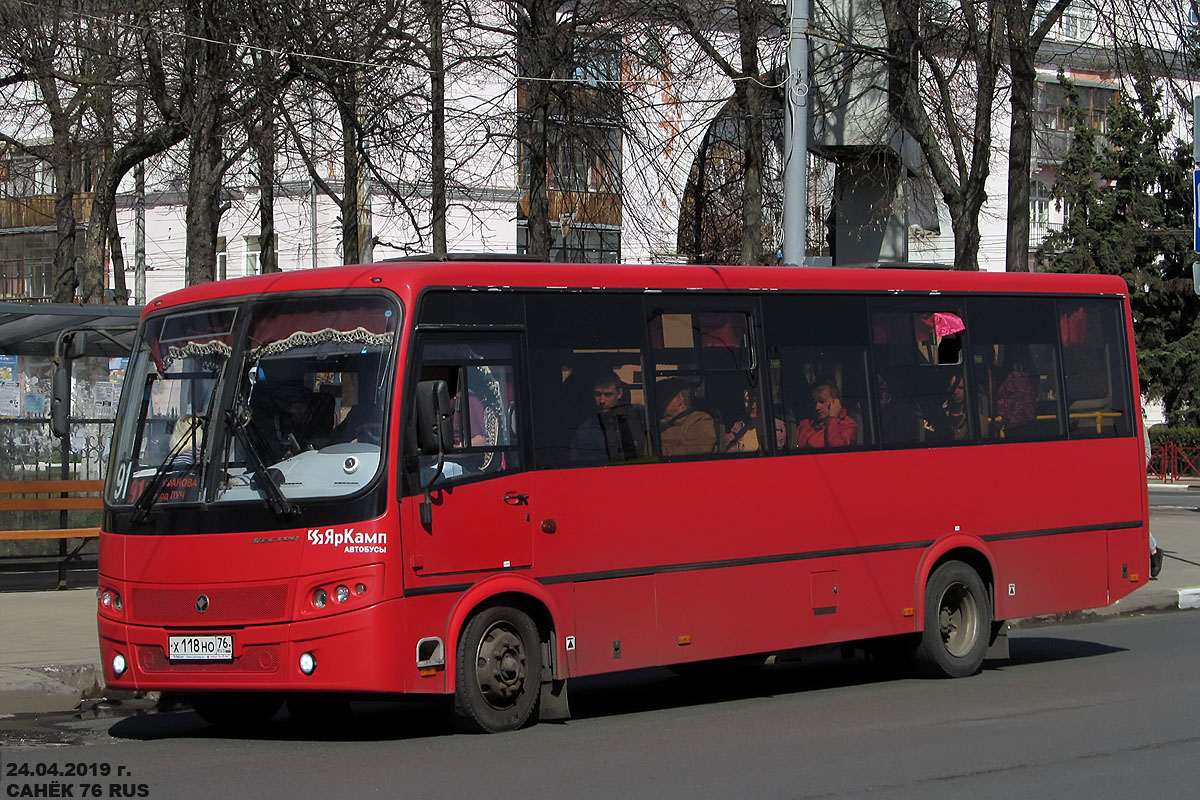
x=307, y=663
x=118, y=665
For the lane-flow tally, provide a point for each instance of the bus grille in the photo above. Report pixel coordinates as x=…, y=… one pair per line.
x=230, y=604
x=254, y=658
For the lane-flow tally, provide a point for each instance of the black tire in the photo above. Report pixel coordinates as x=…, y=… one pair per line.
x=958, y=618
x=233, y=710
x=499, y=670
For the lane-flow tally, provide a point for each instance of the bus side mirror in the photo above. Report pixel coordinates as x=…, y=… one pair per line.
x=60, y=400
x=435, y=434
x=70, y=345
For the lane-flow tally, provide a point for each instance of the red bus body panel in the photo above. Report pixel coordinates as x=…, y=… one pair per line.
x=638, y=565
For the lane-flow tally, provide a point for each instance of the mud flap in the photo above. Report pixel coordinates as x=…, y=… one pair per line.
x=998, y=645
x=553, y=702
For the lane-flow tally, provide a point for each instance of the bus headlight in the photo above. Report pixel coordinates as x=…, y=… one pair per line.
x=320, y=597
x=342, y=593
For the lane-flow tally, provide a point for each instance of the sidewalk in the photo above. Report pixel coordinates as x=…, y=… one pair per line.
x=49, y=656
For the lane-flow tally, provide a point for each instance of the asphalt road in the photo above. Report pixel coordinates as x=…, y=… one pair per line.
x=1175, y=497
x=1101, y=709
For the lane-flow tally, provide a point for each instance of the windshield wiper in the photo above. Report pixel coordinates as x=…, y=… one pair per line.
x=149, y=495
x=276, y=499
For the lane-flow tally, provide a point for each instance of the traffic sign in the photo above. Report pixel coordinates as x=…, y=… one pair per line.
x=1196, y=208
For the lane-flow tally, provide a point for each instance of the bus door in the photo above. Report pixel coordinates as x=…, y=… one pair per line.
x=480, y=501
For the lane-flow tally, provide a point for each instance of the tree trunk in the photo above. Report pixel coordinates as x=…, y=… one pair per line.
x=206, y=171
x=264, y=153
x=749, y=99
x=352, y=166
x=1020, y=141
x=66, y=280
x=117, y=254
x=537, y=43
x=61, y=153
x=437, y=92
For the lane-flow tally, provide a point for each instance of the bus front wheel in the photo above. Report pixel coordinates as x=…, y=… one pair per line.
x=958, y=618
x=499, y=670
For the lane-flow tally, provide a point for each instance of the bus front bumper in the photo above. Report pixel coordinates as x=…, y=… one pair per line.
x=357, y=651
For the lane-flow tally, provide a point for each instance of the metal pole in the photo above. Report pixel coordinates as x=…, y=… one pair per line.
x=795, y=133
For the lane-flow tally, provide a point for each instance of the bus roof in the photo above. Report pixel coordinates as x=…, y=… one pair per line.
x=408, y=278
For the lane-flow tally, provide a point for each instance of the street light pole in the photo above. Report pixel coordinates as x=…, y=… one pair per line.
x=795, y=135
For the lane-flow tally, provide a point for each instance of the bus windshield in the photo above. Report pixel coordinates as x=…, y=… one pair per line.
x=271, y=399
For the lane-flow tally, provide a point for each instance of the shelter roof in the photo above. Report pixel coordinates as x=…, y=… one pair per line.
x=31, y=329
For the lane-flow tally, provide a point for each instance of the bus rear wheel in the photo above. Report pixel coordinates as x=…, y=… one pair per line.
x=958, y=616
x=236, y=709
x=499, y=670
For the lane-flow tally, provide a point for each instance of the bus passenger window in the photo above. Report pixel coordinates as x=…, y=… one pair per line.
x=918, y=355
x=587, y=379
x=707, y=387
x=1094, y=367
x=817, y=359
x=1015, y=365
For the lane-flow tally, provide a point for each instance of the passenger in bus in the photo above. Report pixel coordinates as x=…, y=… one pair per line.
x=185, y=441
x=684, y=430
x=831, y=425
x=899, y=422
x=742, y=436
x=615, y=431
x=953, y=424
x=1016, y=400
x=286, y=416
x=363, y=422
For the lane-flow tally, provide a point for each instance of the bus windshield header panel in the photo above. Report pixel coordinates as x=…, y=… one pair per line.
x=275, y=400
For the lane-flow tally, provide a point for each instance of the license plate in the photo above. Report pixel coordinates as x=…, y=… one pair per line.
x=200, y=648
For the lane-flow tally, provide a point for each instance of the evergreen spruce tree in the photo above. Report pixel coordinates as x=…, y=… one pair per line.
x=1128, y=197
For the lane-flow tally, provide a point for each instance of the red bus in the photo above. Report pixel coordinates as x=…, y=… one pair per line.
x=481, y=479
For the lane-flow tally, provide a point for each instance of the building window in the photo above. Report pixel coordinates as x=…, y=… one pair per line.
x=25, y=176
x=581, y=158
x=585, y=244
x=1039, y=212
x=222, y=259
x=253, y=261
x=1055, y=111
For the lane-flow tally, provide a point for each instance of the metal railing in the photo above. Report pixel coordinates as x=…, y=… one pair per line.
x=29, y=451
x=1171, y=462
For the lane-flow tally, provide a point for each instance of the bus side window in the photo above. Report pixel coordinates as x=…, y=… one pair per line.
x=481, y=380
x=817, y=345
x=709, y=402
x=920, y=371
x=1015, y=364
x=587, y=379
x=1097, y=382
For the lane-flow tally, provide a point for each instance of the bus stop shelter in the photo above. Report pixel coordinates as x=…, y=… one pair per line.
x=31, y=329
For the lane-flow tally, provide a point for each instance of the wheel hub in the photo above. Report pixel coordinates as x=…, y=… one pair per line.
x=500, y=666
x=958, y=619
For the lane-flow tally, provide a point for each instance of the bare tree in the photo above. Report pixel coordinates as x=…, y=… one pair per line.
x=730, y=34
x=50, y=66
x=948, y=60
x=1028, y=23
